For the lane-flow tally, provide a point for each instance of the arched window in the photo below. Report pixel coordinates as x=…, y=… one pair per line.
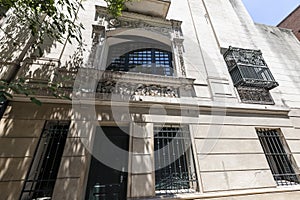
x=148, y=61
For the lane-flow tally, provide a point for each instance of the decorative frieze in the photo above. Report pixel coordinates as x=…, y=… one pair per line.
x=129, y=89
x=126, y=23
x=133, y=21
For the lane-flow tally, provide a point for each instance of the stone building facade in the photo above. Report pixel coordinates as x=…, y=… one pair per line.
x=181, y=99
x=292, y=22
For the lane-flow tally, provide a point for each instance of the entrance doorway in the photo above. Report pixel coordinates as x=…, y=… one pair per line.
x=109, y=182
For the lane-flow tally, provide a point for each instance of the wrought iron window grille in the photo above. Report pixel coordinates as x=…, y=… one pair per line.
x=248, y=68
x=255, y=95
x=250, y=75
x=174, y=161
x=149, y=61
x=279, y=157
x=41, y=178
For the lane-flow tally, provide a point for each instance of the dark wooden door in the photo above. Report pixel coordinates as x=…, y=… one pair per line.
x=109, y=182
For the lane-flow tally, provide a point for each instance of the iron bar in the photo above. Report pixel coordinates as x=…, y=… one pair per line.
x=149, y=61
x=41, y=177
x=173, y=168
x=278, y=157
x=248, y=68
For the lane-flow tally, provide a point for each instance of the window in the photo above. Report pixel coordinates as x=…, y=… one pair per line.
x=149, y=61
x=41, y=178
x=278, y=156
x=174, y=163
x=250, y=75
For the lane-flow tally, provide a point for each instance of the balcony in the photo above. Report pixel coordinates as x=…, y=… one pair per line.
x=110, y=85
x=136, y=86
x=155, y=8
x=248, y=68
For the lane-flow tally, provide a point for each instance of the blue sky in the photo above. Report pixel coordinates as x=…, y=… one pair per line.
x=270, y=12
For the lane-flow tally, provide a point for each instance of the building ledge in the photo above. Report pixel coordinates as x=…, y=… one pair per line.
x=157, y=8
x=234, y=193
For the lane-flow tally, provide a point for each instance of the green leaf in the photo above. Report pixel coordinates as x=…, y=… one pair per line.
x=6, y=95
x=36, y=101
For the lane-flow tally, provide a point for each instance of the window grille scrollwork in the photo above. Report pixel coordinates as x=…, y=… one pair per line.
x=248, y=68
x=250, y=75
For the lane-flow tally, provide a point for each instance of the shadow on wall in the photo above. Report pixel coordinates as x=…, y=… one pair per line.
x=17, y=45
x=20, y=130
x=17, y=53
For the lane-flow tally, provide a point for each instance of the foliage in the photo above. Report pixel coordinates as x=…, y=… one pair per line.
x=55, y=19
x=17, y=87
x=115, y=7
x=52, y=19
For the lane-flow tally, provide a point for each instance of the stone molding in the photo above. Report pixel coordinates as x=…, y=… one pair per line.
x=167, y=28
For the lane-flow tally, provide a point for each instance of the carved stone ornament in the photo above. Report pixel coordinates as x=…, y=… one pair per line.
x=129, y=89
x=178, y=44
x=98, y=33
x=167, y=28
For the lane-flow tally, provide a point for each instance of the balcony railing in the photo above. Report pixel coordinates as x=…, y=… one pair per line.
x=108, y=83
x=138, y=84
x=248, y=68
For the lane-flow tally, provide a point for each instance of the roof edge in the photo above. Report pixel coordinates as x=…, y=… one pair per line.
x=298, y=7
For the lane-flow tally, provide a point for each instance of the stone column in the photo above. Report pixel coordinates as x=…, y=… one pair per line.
x=141, y=177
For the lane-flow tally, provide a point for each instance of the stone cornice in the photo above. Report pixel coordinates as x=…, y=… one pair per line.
x=193, y=104
x=147, y=78
x=155, y=21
